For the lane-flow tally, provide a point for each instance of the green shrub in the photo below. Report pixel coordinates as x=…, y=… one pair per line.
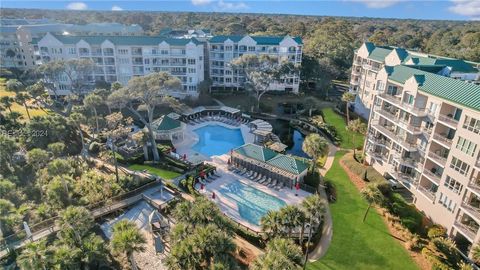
x=436, y=231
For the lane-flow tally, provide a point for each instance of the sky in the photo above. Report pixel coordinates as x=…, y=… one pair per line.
x=425, y=9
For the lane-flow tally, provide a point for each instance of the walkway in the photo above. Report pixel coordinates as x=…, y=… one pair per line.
x=327, y=231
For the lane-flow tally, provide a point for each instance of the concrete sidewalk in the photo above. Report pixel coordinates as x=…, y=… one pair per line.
x=327, y=232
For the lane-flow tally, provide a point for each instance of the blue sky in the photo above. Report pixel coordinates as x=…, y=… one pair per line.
x=430, y=9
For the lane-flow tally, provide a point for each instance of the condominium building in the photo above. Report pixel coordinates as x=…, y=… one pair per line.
x=119, y=58
x=223, y=49
x=424, y=131
x=369, y=59
x=16, y=35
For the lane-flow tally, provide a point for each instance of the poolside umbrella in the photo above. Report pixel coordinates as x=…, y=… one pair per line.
x=184, y=156
x=201, y=186
x=229, y=162
x=297, y=187
x=202, y=174
x=173, y=149
x=213, y=195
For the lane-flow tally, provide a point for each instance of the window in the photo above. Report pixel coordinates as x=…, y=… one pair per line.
x=380, y=85
x=122, y=51
x=164, y=52
x=72, y=50
x=466, y=146
x=191, y=70
x=471, y=124
x=123, y=60
x=191, y=61
x=453, y=185
x=446, y=202
x=251, y=48
x=459, y=166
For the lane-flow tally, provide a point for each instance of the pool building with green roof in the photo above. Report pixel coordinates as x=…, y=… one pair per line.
x=424, y=132
x=286, y=169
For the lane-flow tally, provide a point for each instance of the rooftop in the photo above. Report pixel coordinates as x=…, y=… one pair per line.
x=457, y=91
x=266, y=155
x=125, y=40
x=261, y=40
x=166, y=123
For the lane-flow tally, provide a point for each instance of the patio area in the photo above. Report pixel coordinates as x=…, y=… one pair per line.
x=230, y=206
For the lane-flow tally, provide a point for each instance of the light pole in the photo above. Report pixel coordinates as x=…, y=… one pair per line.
x=309, y=226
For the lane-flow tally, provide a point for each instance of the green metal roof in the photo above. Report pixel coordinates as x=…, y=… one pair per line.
x=288, y=163
x=125, y=40
x=379, y=54
x=428, y=68
x=166, y=123
x=457, y=65
x=261, y=40
x=457, y=91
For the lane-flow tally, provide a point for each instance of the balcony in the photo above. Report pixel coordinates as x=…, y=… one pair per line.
x=410, y=162
x=465, y=230
x=410, y=147
x=427, y=193
x=84, y=53
x=353, y=82
x=471, y=210
x=442, y=140
x=378, y=155
x=474, y=185
x=378, y=141
x=437, y=158
x=432, y=176
x=448, y=120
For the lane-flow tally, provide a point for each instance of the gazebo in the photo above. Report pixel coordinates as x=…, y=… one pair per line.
x=167, y=128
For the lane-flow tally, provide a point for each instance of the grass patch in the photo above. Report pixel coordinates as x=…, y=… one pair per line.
x=18, y=107
x=359, y=169
x=358, y=245
x=156, y=171
x=345, y=136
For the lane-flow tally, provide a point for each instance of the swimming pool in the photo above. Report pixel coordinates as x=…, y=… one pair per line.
x=217, y=140
x=252, y=203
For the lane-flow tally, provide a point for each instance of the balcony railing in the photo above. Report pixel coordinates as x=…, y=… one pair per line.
x=467, y=231
x=471, y=210
x=432, y=176
x=379, y=141
x=353, y=82
x=442, y=139
x=411, y=147
x=474, y=184
x=437, y=158
x=427, y=193
x=448, y=120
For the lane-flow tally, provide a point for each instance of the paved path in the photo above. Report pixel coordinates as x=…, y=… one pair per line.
x=327, y=232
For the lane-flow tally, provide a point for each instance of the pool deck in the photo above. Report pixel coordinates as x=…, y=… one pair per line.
x=229, y=206
x=191, y=138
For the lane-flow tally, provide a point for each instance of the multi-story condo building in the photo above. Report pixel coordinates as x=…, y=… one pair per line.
x=16, y=48
x=119, y=58
x=424, y=131
x=223, y=49
x=369, y=59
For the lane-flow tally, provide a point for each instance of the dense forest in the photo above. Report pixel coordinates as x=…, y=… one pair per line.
x=329, y=41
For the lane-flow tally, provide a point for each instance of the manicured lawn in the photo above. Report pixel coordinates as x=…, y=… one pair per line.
x=17, y=107
x=345, y=136
x=358, y=245
x=153, y=170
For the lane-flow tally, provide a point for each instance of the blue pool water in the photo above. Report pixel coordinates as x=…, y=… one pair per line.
x=252, y=203
x=217, y=140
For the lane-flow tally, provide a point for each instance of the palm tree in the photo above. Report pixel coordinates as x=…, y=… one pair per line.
x=92, y=101
x=93, y=250
x=356, y=126
x=22, y=98
x=66, y=257
x=315, y=146
x=348, y=97
x=476, y=253
x=7, y=102
x=314, y=207
x=372, y=194
x=14, y=117
x=126, y=239
x=271, y=224
x=292, y=217
x=34, y=256
x=280, y=254
x=74, y=224
x=310, y=103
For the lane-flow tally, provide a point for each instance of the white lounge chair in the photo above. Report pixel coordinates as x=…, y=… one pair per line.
x=267, y=182
x=259, y=176
x=255, y=174
x=264, y=180
x=261, y=179
x=273, y=183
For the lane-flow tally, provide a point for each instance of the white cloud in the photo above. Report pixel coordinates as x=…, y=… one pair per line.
x=77, y=6
x=116, y=8
x=377, y=3
x=222, y=5
x=201, y=2
x=469, y=8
